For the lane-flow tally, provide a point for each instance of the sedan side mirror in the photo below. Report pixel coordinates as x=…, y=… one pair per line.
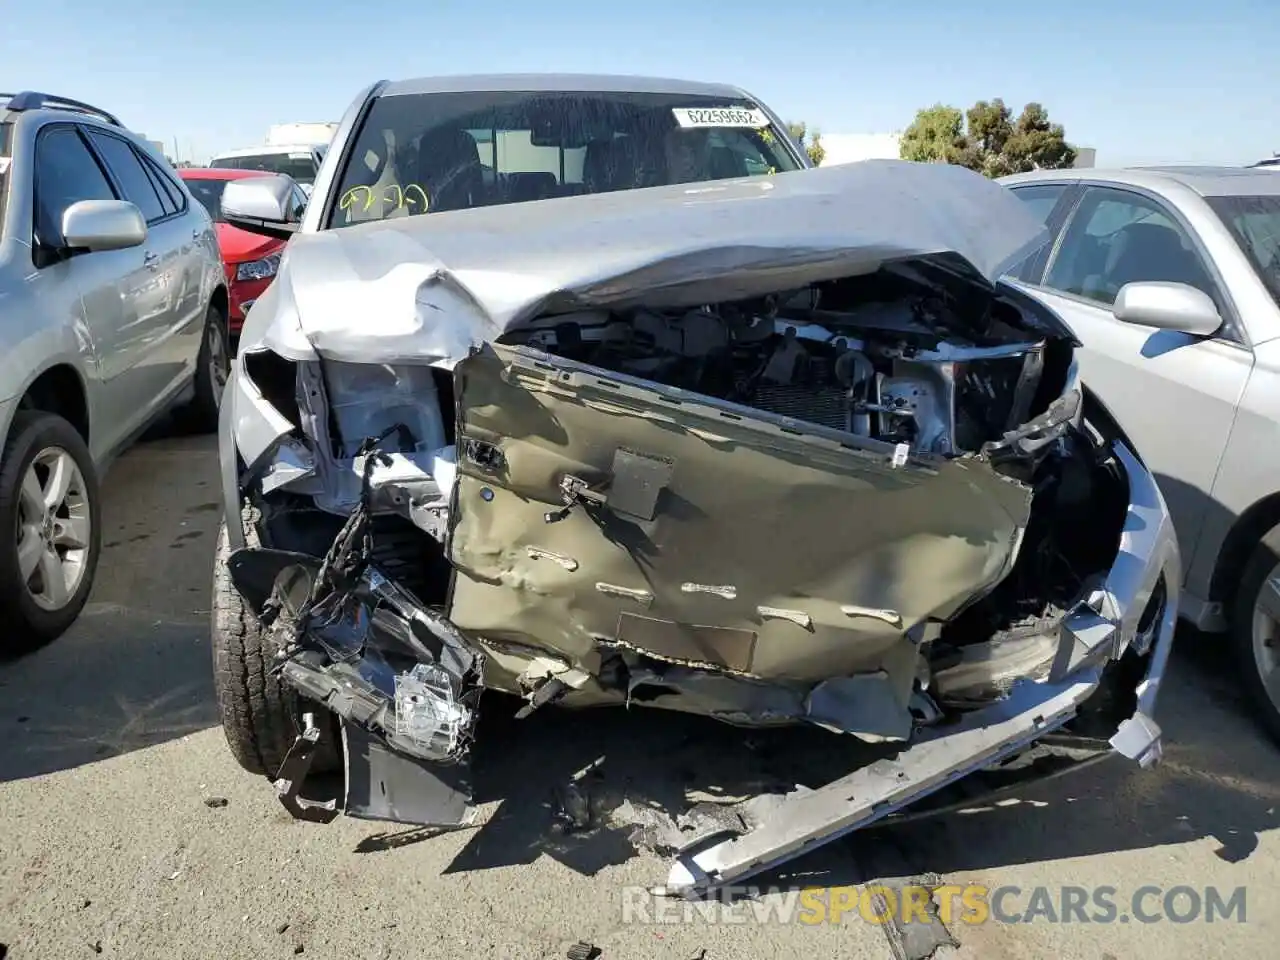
x=261, y=205
x=1167, y=306
x=95, y=225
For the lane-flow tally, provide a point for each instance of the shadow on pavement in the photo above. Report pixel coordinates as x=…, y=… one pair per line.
x=1220, y=778
x=134, y=670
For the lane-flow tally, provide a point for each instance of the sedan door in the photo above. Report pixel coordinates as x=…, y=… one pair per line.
x=1175, y=394
x=88, y=290
x=159, y=304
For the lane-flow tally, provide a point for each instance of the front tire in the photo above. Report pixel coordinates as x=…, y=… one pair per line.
x=1255, y=629
x=261, y=716
x=213, y=365
x=49, y=506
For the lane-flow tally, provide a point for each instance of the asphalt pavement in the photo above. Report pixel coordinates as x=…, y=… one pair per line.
x=126, y=830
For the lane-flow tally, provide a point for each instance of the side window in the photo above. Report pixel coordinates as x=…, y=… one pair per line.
x=1040, y=198
x=1118, y=237
x=736, y=153
x=170, y=196
x=66, y=172
x=127, y=169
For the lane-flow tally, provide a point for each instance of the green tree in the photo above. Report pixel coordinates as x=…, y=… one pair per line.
x=987, y=139
x=810, y=142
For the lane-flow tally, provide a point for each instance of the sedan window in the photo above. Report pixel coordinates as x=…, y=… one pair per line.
x=1118, y=237
x=1040, y=198
x=133, y=179
x=1254, y=222
x=66, y=173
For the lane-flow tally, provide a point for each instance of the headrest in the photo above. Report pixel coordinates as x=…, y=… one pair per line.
x=530, y=186
x=609, y=165
x=449, y=168
x=1149, y=251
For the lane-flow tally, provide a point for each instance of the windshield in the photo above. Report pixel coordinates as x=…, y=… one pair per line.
x=1255, y=224
x=447, y=151
x=209, y=193
x=300, y=166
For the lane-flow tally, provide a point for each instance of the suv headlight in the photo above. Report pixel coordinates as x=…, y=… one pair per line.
x=262, y=269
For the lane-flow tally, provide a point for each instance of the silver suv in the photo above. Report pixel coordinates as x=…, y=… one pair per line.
x=115, y=306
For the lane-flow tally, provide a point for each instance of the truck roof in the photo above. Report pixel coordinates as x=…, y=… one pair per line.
x=270, y=148
x=553, y=82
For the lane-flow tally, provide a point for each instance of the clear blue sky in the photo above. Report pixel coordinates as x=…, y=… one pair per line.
x=1143, y=81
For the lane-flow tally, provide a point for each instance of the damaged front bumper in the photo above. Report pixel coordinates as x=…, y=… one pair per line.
x=422, y=777
x=1133, y=613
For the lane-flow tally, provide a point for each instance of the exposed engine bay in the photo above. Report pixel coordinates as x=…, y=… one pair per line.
x=881, y=357
x=924, y=371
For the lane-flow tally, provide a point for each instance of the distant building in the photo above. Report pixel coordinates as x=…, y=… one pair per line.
x=1085, y=157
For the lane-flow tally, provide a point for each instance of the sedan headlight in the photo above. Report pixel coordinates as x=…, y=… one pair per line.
x=262, y=269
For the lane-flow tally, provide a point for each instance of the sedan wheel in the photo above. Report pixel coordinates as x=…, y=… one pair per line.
x=1266, y=636
x=49, y=503
x=1256, y=630
x=219, y=360
x=213, y=366
x=54, y=529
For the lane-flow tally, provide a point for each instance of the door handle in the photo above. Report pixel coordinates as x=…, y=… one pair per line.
x=151, y=260
x=196, y=234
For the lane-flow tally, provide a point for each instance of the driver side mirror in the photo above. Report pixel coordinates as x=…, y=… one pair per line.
x=261, y=205
x=1167, y=306
x=97, y=225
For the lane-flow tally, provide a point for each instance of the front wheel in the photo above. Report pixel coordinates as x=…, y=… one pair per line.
x=260, y=715
x=213, y=365
x=49, y=503
x=1256, y=631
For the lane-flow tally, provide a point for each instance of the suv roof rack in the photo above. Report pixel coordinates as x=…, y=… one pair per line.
x=34, y=100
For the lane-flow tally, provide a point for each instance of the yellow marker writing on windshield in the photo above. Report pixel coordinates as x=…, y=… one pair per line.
x=421, y=198
x=394, y=197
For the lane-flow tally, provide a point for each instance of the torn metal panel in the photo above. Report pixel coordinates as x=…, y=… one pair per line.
x=813, y=817
x=368, y=651
x=429, y=288
x=1148, y=557
x=383, y=784
x=857, y=552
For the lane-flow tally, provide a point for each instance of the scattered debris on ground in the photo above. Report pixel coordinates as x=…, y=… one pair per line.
x=583, y=951
x=213, y=802
x=916, y=940
x=573, y=802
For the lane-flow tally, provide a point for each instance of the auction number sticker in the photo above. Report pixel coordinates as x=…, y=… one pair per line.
x=720, y=117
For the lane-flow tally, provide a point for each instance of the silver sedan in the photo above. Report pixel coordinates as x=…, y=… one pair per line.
x=1171, y=279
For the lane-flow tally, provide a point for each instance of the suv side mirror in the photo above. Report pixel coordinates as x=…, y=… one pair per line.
x=1167, y=306
x=261, y=205
x=95, y=225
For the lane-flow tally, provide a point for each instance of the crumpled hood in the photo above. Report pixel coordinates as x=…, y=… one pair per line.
x=428, y=288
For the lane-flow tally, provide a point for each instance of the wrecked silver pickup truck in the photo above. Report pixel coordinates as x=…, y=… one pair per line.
x=772, y=450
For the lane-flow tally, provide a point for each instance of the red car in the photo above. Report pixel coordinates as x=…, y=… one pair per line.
x=251, y=261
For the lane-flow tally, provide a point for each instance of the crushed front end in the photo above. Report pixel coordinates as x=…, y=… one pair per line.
x=799, y=485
